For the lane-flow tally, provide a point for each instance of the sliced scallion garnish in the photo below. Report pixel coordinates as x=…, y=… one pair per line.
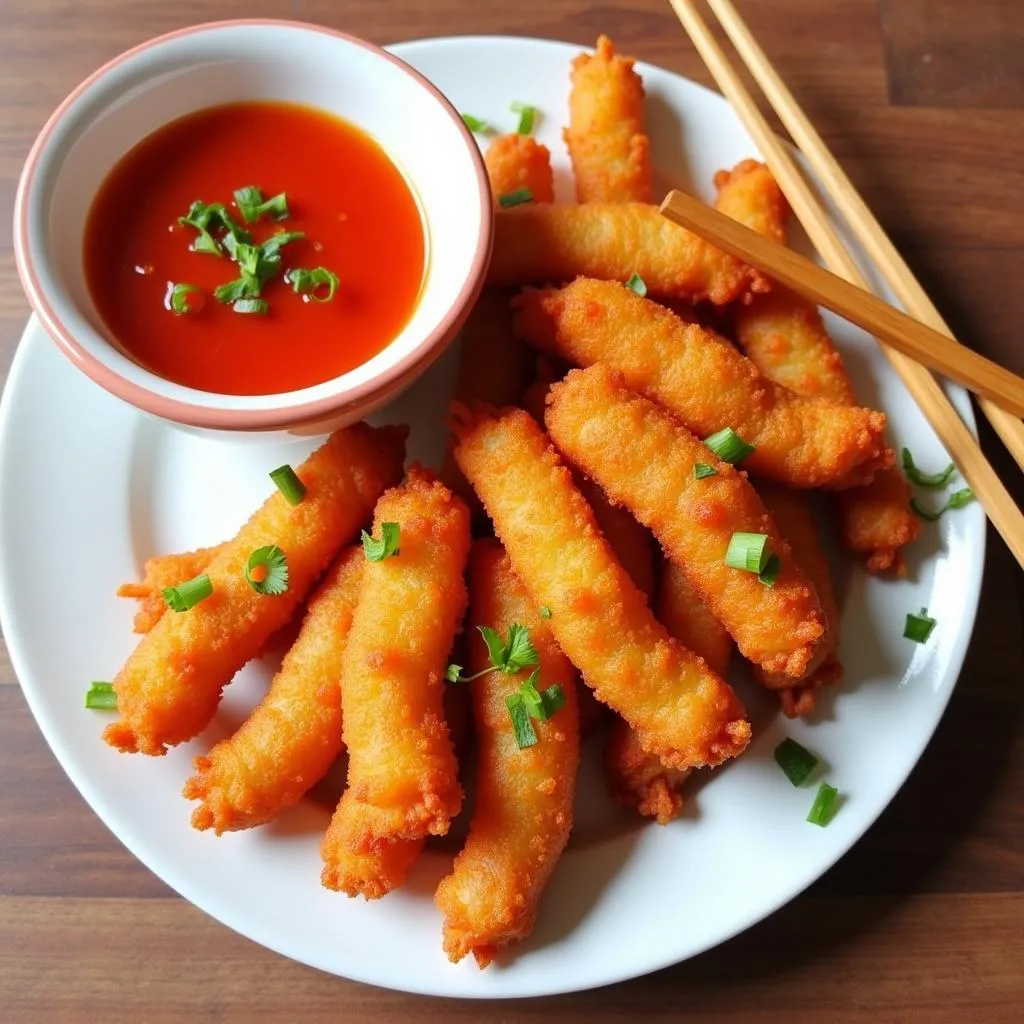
x=293, y=489
x=377, y=549
x=918, y=627
x=797, y=762
x=522, y=727
x=516, y=198
x=702, y=470
x=475, y=124
x=824, y=807
x=101, y=697
x=958, y=499
x=770, y=573
x=748, y=551
x=636, y=284
x=184, y=298
x=257, y=307
x=729, y=446
x=932, y=480
x=188, y=594
x=312, y=283
x=527, y=116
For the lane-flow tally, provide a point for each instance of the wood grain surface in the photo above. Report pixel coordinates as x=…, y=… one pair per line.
x=923, y=103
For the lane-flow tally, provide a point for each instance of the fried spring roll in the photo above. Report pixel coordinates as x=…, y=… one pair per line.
x=707, y=384
x=523, y=811
x=494, y=367
x=644, y=459
x=520, y=161
x=792, y=514
x=785, y=338
x=293, y=736
x=536, y=244
x=684, y=713
x=610, y=153
x=160, y=572
x=635, y=777
x=171, y=685
x=402, y=774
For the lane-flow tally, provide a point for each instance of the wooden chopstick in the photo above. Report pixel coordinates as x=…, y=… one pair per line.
x=965, y=451
x=861, y=220
x=861, y=307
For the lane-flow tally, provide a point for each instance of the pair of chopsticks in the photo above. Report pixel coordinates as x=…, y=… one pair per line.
x=912, y=345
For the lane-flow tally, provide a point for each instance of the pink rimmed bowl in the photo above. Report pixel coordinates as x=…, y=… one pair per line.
x=176, y=74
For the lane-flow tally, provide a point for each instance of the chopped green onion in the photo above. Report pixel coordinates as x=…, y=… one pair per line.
x=552, y=698
x=919, y=627
x=101, y=697
x=636, y=284
x=517, y=198
x=453, y=673
x=729, y=446
x=531, y=697
x=251, y=205
x=272, y=559
x=271, y=248
x=188, y=594
x=748, y=551
x=933, y=480
x=824, y=807
x=293, y=489
x=527, y=114
x=475, y=124
x=521, y=724
x=797, y=762
x=545, y=612
x=377, y=550
x=312, y=282
x=958, y=499
x=770, y=573
x=180, y=299
x=251, y=306
x=702, y=470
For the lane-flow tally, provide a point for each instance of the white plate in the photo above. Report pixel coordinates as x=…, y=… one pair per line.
x=90, y=489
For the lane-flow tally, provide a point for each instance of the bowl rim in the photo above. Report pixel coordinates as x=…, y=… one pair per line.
x=178, y=410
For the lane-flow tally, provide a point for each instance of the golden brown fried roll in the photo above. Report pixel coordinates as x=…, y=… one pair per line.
x=523, y=811
x=171, y=685
x=294, y=735
x=792, y=514
x=610, y=153
x=160, y=572
x=494, y=367
x=536, y=244
x=683, y=711
x=644, y=459
x=707, y=384
x=402, y=774
x=783, y=335
x=520, y=161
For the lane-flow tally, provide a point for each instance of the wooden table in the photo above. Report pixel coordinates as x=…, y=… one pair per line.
x=923, y=102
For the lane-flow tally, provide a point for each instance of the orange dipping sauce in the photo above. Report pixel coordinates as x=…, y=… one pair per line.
x=357, y=211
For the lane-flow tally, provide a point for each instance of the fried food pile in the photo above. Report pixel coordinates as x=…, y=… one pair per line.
x=630, y=401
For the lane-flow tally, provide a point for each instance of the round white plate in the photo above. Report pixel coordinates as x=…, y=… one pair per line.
x=90, y=488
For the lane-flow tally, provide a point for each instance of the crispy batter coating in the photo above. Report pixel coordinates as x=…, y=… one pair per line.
x=749, y=193
x=707, y=384
x=171, y=685
x=523, y=812
x=294, y=735
x=634, y=777
x=159, y=572
x=683, y=711
x=611, y=159
x=402, y=773
x=792, y=514
x=494, y=367
x=876, y=520
x=536, y=244
x=783, y=335
x=644, y=459
x=520, y=161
